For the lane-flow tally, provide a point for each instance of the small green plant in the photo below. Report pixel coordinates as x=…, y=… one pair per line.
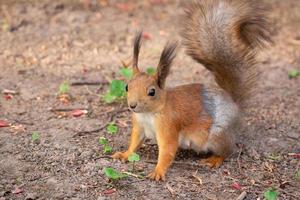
x=150, y=71
x=126, y=72
x=35, y=136
x=113, y=174
x=64, y=87
x=294, y=73
x=117, y=87
x=270, y=194
x=134, y=157
x=298, y=175
x=106, y=147
x=103, y=141
x=109, y=98
x=112, y=128
x=116, y=91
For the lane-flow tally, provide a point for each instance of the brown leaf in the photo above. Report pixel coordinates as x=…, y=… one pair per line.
x=109, y=191
x=146, y=35
x=294, y=155
x=236, y=186
x=8, y=96
x=17, y=190
x=3, y=123
x=78, y=113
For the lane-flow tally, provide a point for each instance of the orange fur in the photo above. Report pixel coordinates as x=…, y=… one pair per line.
x=173, y=118
x=213, y=161
x=135, y=142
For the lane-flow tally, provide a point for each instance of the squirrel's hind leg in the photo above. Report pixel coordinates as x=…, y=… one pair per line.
x=213, y=161
x=220, y=145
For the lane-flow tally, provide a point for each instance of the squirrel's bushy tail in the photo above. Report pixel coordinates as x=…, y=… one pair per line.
x=224, y=35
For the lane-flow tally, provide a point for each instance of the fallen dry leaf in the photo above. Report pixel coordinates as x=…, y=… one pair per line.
x=236, y=186
x=109, y=191
x=3, y=123
x=294, y=155
x=146, y=35
x=8, y=96
x=17, y=190
x=78, y=113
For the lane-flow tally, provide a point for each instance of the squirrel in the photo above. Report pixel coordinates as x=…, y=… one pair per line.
x=224, y=36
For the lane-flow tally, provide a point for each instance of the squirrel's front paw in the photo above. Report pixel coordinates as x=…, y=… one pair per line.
x=123, y=156
x=157, y=175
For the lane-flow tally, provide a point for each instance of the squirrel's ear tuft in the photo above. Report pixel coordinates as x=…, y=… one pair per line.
x=136, y=50
x=165, y=62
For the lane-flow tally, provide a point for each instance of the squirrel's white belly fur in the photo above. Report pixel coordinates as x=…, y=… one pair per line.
x=146, y=121
x=222, y=110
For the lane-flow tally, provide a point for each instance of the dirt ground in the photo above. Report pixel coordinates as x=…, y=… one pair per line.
x=43, y=43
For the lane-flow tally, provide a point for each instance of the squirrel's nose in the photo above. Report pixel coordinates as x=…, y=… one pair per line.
x=133, y=105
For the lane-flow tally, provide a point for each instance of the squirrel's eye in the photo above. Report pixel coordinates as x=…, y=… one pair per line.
x=151, y=92
x=126, y=88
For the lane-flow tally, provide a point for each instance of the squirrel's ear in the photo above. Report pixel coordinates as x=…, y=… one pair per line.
x=165, y=62
x=136, y=50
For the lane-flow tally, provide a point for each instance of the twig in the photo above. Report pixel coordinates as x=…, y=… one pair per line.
x=239, y=156
x=65, y=109
x=81, y=133
x=134, y=175
x=197, y=177
x=242, y=196
x=114, y=111
x=80, y=83
x=295, y=42
x=23, y=122
x=16, y=27
x=6, y=91
x=90, y=92
x=126, y=64
x=171, y=190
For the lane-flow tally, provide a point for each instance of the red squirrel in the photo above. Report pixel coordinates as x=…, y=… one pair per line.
x=224, y=36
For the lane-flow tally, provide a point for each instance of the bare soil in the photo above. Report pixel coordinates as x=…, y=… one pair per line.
x=43, y=43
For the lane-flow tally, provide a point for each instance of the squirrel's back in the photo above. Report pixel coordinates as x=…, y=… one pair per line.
x=224, y=35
